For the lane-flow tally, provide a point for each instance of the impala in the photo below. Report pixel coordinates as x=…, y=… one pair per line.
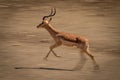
x=63, y=38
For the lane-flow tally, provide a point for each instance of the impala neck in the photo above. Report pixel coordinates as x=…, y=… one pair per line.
x=51, y=30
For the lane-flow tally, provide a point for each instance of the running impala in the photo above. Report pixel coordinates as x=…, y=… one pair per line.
x=64, y=38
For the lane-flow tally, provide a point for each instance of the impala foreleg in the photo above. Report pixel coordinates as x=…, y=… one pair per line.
x=51, y=50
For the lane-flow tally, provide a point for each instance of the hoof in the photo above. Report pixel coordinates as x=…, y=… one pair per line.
x=58, y=56
x=45, y=59
x=96, y=67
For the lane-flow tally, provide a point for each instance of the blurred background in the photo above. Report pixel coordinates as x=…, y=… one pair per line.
x=23, y=45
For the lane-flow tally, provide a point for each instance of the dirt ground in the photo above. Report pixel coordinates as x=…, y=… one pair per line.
x=23, y=46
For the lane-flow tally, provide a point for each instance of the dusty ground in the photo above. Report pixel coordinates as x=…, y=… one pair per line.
x=23, y=46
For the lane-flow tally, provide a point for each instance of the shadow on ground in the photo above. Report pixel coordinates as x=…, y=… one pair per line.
x=44, y=68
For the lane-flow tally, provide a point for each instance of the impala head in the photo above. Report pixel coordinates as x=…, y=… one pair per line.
x=47, y=19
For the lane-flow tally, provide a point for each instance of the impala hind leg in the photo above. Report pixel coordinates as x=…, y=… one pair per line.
x=87, y=51
x=81, y=61
x=51, y=50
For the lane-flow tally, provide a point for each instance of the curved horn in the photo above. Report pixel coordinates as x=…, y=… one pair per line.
x=54, y=12
x=51, y=14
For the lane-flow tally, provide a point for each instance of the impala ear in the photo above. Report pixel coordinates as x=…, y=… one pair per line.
x=50, y=19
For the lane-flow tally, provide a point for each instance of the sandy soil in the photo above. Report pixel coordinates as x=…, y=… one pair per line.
x=23, y=46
